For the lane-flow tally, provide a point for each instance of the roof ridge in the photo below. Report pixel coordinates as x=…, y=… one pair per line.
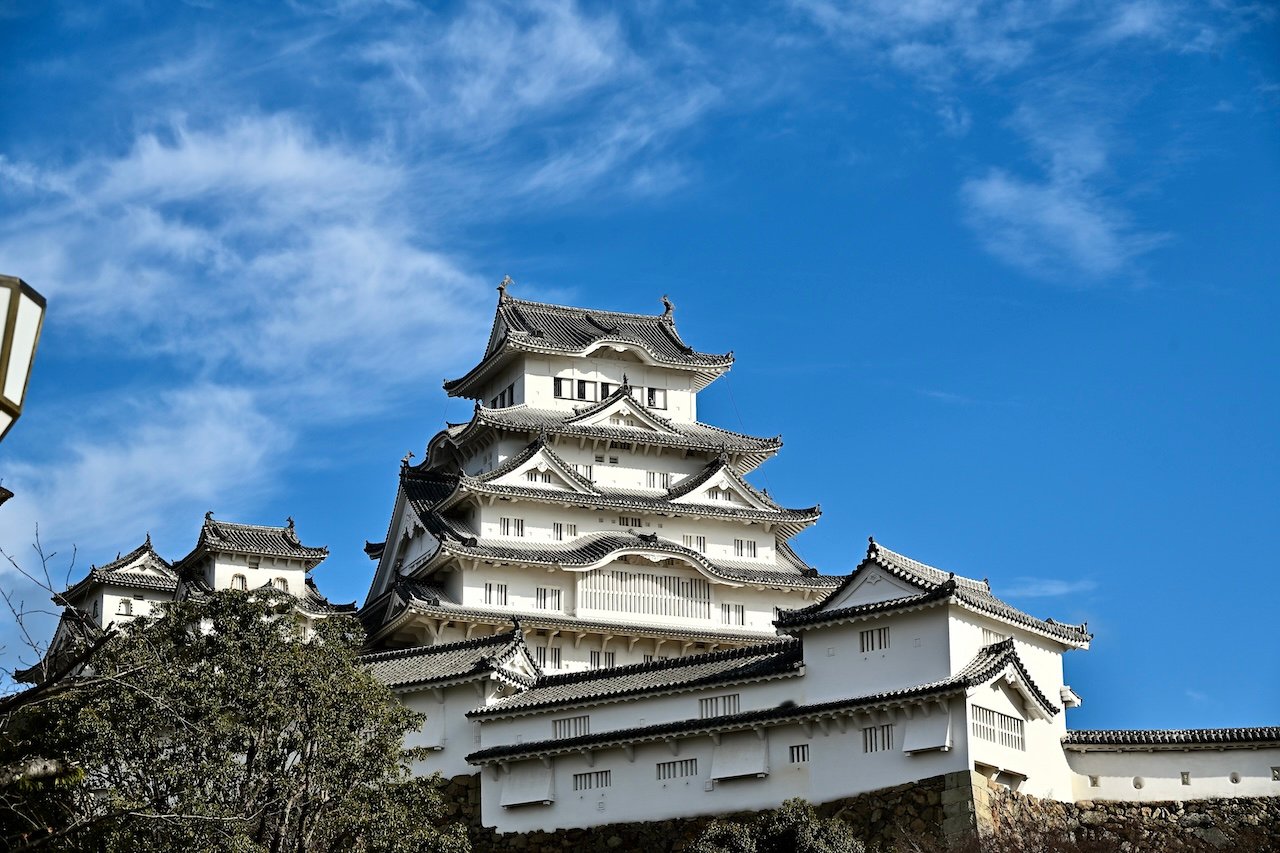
x=574, y=309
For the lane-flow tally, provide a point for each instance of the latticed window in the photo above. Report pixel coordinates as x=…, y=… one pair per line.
x=630, y=521
x=658, y=479
x=799, y=753
x=989, y=636
x=696, y=543
x=239, y=582
x=538, y=476
x=877, y=738
x=998, y=728
x=744, y=548
x=717, y=706
x=511, y=526
x=594, y=779
x=599, y=660
x=873, y=639
x=547, y=598
x=571, y=726
x=495, y=593
x=282, y=584
x=733, y=614
x=645, y=593
x=678, y=769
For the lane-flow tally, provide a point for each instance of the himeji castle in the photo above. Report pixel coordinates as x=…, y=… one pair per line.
x=604, y=621
x=600, y=615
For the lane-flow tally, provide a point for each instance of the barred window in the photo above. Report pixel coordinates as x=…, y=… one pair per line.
x=563, y=530
x=599, y=660
x=877, y=738
x=511, y=526
x=642, y=592
x=998, y=728
x=744, y=548
x=239, y=582
x=715, y=706
x=495, y=593
x=594, y=779
x=547, y=598
x=696, y=543
x=799, y=753
x=571, y=726
x=538, y=476
x=678, y=769
x=630, y=521
x=733, y=614
x=658, y=479
x=989, y=636
x=282, y=584
x=873, y=639
x=583, y=469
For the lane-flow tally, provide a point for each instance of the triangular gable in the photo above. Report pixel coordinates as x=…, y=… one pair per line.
x=551, y=471
x=621, y=411
x=148, y=565
x=713, y=487
x=1008, y=693
x=869, y=584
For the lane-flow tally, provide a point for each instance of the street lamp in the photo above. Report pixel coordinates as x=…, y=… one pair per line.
x=21, y=316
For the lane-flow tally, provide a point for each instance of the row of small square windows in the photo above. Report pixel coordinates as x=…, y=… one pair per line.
x=560, y=530
x=586, y=389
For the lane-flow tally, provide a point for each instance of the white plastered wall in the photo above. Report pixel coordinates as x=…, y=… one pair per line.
x=1156, y=774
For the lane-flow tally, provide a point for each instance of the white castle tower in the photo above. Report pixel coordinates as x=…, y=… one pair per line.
x=586, y=500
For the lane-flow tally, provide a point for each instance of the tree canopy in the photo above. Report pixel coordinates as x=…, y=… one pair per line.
x=222, y=723
x=794, y=827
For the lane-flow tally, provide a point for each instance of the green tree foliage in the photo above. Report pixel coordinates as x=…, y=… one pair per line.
x=793, y=828
x=218, y=726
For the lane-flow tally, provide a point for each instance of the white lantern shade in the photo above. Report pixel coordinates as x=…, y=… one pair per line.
x=21, y=317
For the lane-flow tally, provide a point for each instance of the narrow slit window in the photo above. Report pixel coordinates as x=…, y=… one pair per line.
x=696, y=543
x=718, y=706
x=571, y=726
x=495, y=593
x=799, y=753
x=877, y=738
x=873, y=639
x=593, y=779
x=679, y=769
x=733, y=614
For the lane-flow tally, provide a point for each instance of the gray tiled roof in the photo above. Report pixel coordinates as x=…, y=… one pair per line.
x=594, y=548
x=986, y=665
x=685, y=673
x=544, y=328
x=116, y=573
x=218, y=536
x=974, y=593
x=312, y=602
x=427, y=489
x=689, y=436
x=1172, y=737
x=427, y=665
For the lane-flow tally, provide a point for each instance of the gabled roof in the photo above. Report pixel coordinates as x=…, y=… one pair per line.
x=1139, y=739
x=538, y=327
x=749, y=450
x=431, y=491
x=668, y=676
x=936, y=584
x=313, y=603
x=990, y=663
x=597, y=549
x=230, y=537
x=425, y=666
x=621, y=400
x=141, y=568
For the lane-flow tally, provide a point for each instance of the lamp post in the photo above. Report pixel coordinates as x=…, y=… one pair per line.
x=21, y=316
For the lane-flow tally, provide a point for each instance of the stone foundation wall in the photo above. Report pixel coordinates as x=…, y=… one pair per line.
x=1244, y=823
x=879, y=817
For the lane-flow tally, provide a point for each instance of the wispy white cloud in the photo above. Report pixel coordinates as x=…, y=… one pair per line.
x=1026, y=587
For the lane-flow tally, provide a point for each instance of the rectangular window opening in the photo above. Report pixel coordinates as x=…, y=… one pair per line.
x=799, y=753
x=998, y=728
x=873, y=639
x=679, y=769
x=719, y=706
x=593, y=779
x=877, y=738
x=571, y=726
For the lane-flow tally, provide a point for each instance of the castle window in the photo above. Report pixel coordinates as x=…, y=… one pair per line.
x=799, y=753
x=1186, y=777
x=873, y=639
x=696, y=543
x=495, y=593
x=538, y=476
x=125, y=608
x=511, y=526
x=989, y=637
x=555, y=657
x=600, y=457
x=733, y=614
x=239, y=582
x=602, y=660
x=282, y=584
x=656, y=398
x=998, y=728
x=593, y=779
x=718, y=706
x=652, y=658
x=744, y=548
x=606, y=389
x=543, y=654
x=506, y=397
x=563, y=388
x=630, y=521
x=643, y=592
x=877, y=738
x=586, y=390
x=95, y=608
x=613, y=460
x=718, y=494
x=658, y=479
x=678, y=769
x=571, y=726
x=561, y=530
x=1095, y=782
x=547, y=598
x=584, y=470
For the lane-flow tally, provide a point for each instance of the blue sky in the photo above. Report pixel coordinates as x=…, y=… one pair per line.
x=1003, y=275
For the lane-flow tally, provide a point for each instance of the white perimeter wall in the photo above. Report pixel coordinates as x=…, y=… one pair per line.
x=446, y=730
x=1159, y=774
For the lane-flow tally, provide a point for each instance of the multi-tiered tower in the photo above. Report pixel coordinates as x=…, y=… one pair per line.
x=585, y=499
